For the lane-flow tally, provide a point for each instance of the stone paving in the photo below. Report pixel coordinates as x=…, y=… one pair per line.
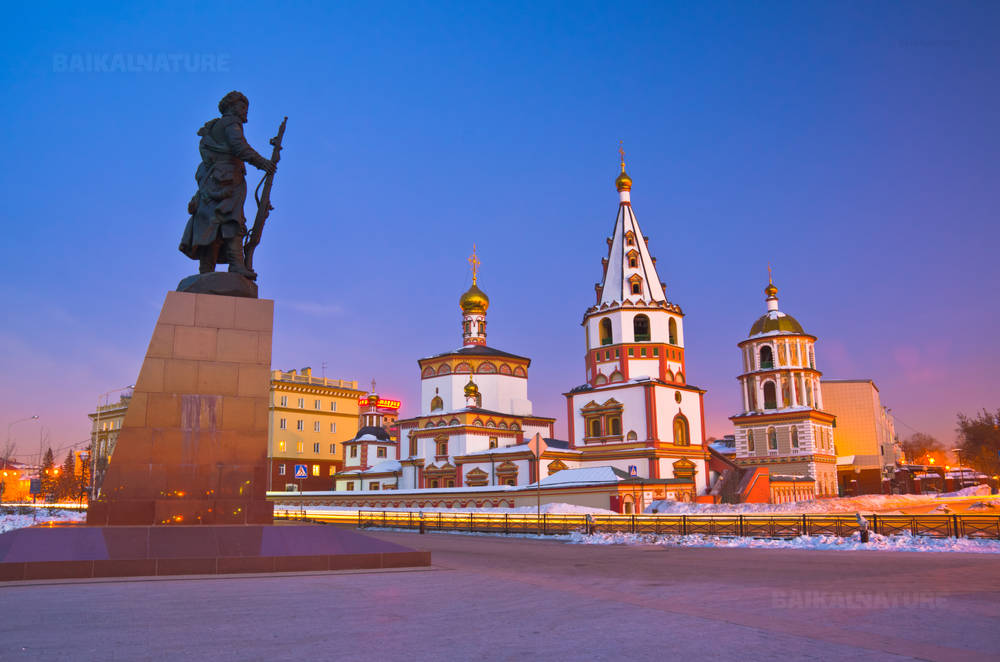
x=494, y=598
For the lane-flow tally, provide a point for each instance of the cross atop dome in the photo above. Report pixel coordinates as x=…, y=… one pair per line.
x=475, y=262
x=474, y=304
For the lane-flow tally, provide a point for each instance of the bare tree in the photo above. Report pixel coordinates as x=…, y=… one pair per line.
x=920, y=448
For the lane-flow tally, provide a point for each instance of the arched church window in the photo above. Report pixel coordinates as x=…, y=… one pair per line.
x=681, y=432
x=640, y=328
x=772, y=439
x=631, y=436
x=795, y=437
x=437, y=403
x=770, y=396
x=630, y=238
x=766, y=358
x=672, y=329
x=812, y=358
x=750, y=444
x=632, y=262
x=606, y=338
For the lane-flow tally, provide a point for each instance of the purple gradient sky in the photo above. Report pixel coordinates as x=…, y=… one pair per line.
x=852, y=145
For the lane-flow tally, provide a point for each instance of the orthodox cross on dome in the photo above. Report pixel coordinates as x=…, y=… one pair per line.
x=621, y=151
x=475, y=262
x=373, y=386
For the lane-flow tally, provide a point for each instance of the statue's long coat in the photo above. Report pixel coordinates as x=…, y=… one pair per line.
x=222, y=186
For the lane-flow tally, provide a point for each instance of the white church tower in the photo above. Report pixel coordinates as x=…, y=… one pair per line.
x=783, y=426
x=637, y=408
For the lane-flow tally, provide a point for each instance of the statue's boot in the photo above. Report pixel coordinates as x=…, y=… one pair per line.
x=237, y=265
x=209, y=258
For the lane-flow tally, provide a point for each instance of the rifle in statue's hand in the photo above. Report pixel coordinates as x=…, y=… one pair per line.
x=263, y=198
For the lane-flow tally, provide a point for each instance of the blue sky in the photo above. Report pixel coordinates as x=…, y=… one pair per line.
x=852, y=145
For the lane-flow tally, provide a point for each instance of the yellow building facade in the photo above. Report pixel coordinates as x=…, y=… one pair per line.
x=309, y=418
x=864, y=436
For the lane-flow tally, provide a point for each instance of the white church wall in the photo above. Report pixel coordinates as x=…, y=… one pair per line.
x=667, y=408
x=503, y=393
x=643, y=368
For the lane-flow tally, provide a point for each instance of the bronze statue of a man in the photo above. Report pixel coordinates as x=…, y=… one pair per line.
x=214, y=233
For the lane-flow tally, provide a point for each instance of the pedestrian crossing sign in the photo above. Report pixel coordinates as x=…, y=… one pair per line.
x=300, y=471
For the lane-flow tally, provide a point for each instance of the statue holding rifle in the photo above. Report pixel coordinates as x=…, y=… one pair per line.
x=217, y=232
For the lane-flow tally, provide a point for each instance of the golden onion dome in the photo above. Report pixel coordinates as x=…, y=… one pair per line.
x=623, y=182
x=474, y=301
x=471, y=390
x=770, y=290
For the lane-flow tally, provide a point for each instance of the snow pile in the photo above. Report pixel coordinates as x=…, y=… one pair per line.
x=868, y=503
x=24, y=518
x=904, y=542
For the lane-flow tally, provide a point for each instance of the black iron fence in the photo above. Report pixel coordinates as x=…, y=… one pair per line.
x=753, y=526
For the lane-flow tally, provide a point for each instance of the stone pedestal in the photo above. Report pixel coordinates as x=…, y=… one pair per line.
x=193, y=446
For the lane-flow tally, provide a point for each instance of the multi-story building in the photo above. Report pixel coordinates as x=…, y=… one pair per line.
x=105, y=424
x=783, y=426
x=309, y=419
x=865, y=436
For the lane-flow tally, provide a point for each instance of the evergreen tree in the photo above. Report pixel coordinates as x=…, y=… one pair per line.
x=67, y=484
x=47, y=472
x=980, y=441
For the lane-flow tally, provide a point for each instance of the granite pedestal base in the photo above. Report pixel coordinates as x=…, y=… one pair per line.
x=78, y=552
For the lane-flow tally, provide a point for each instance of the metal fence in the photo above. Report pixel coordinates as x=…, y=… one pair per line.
x=753, y=526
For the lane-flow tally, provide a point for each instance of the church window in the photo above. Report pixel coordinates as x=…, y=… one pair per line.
x=494, y=442
x=413, y=447
x=640, y=328
x=681, y=433
x=510, y=481
x=316, y=447
x=354, y=450
x=672, y=330
x=442, y=448
x=283, y=424
x=451, y=483
x=595, y=427
x=520, y=372
x=607, y=355
x=373, y=486
x=606, y=338
x=772, y=439
x=642, y=352
x=631, y=436
x=750, y=445
x=795, y=437
x=300, y=447
x=437, y=403
x=636, y=287
x=434, y=484
x=614, y=426
x=770, y=396
x=766, y=358
x=630, y=238
x=349, y=485
x=600, y=380
x=284, y=401
x=632, y=262
x=616, y=376
x=515, y=426
x=380, y=452
x=281, y=470
x=656, y=351
x=616, y=353
x=631, y=351
x=454, y=421
x=281, y=447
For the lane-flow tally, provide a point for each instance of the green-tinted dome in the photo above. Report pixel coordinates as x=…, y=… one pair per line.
x=774, y=321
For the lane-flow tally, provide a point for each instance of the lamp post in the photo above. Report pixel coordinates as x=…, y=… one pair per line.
x=96, y=453
x=8, y=448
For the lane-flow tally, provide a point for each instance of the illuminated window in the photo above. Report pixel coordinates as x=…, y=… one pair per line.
x=682, y=436
x=315, y=470
x=281, y=446
x=284, y=401
x=316, y=447
x=494, y=442
x=333, y=469
x=299, y=447
x=380, y=452
x=283, y=424
x=281, y=470
x=300, y=425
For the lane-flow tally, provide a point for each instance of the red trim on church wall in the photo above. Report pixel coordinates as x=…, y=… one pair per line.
x=570, y=420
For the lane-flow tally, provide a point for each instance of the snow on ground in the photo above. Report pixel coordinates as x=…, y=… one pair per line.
x=904, y=542
x=547, y=508
x=867, y=503
x=20, y=518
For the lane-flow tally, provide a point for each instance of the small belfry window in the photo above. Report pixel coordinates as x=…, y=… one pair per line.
x=766, y=358
x=672, y=331
x=770, y=396
x=605, y=331
x=640, y=328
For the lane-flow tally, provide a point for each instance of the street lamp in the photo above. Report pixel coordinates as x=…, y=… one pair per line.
x=96, y=448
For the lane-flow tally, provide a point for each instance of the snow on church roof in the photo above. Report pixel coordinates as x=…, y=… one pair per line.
x=586, y=476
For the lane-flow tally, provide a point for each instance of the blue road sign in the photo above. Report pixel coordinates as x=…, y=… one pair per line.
x=633, y=470
x=300, y=471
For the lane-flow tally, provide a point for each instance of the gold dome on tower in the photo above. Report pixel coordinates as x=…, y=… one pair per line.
x=770, y=290
x=471, y=389
x=474, y=301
